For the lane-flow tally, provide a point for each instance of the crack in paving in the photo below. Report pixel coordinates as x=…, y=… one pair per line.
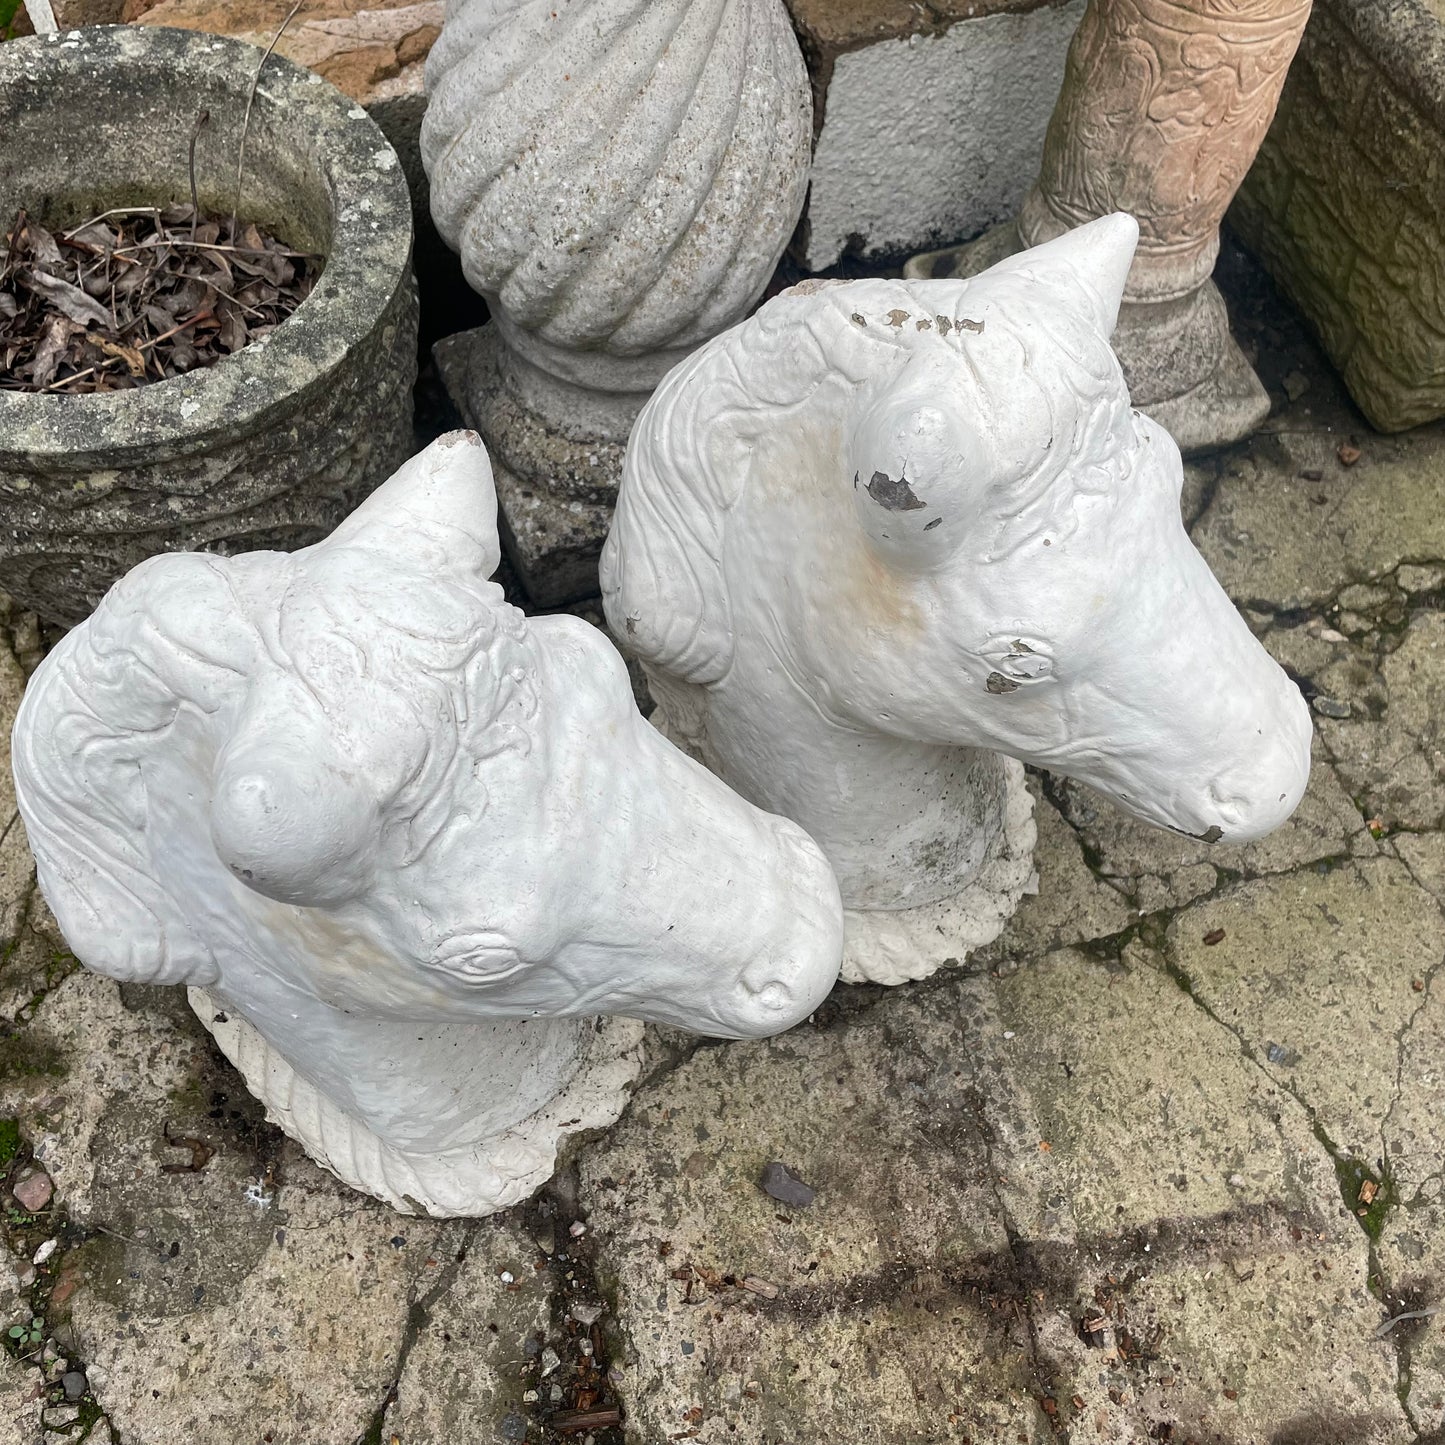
x=418, y=1316
x=1127, y=886
x=1351, y=1172
x=584, y=1376
x=21, y=1236
x=1401, y=1036
x=1043, y=1367
x=1394, y=1294
x=1247, y=1048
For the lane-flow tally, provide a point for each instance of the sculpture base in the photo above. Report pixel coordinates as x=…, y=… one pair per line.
x=474, y=1180
x=555, y=495
x=899, y=945
x=1156, y=342
x=881, y=946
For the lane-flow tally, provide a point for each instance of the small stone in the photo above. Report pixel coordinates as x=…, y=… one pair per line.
x=530, y=1397
x=1348, y=455
x=576, y=1229
x=550, y=1360
x=1328, y=634
x=45, y=1251
x=1419, y=579
x=1363, y=596
x=1331, y=707
x=58, y=1416
x=1279, y=1054
x=33, y=1190
x=554, y=1394
x=74, y=1383
x=507, y=1277
x=546, y=1239
x=587, y=1315
x=514, y=1427
x=780, y=1183
x=1296, y=384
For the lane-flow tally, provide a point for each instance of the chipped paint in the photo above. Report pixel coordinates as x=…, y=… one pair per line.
x=893, y=494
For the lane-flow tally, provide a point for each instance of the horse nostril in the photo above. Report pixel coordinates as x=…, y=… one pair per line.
x=1229, y=808
x=773, y=997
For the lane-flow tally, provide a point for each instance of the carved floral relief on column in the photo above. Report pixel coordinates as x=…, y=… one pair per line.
x=1162, y=111
x=1163, y=108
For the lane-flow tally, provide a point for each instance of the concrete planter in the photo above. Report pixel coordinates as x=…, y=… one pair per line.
x=1346, y=204
x=271, y=447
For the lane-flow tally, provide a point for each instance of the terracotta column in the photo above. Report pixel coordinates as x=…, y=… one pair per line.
x=619, y=178
x=1163, y=107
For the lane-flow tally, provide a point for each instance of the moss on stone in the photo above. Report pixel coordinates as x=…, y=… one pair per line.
x=9, y=1141
x=26, y=1056
x=1369, y=1196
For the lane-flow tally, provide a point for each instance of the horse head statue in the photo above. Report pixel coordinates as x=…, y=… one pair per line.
x=407, y=842
x=884, y=532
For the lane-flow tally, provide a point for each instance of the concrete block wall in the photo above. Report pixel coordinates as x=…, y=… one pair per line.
x=930, y=117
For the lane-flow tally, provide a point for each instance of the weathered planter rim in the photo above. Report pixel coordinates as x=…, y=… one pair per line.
x=371, y=238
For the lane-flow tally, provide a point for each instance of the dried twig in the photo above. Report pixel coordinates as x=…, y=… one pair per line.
x=106, y=215
x=250, y=101
x=1408, y=1315
x=121, y=253
x=144, y=346
x=42, y=16
x=201, y=120
x=12, y=252
x=74, y=307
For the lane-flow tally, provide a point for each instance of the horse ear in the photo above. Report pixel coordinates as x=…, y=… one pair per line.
x=1098, y=254
x=439, y=510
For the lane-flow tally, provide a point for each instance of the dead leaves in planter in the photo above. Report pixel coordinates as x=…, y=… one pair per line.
x=138, y=296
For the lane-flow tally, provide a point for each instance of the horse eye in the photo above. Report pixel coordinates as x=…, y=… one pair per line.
x=1015, y=662
x=477, y=957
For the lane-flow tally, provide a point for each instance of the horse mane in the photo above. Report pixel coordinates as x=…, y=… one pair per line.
x=689, y=460
x=189, y=632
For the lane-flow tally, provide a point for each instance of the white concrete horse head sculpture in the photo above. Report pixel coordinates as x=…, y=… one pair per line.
x=407, y=841
x=885, y=531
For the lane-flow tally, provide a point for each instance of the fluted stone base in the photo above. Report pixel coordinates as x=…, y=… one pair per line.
x=554, y=494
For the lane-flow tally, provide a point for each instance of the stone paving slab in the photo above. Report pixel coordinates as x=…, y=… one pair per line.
x=1102, y=1183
